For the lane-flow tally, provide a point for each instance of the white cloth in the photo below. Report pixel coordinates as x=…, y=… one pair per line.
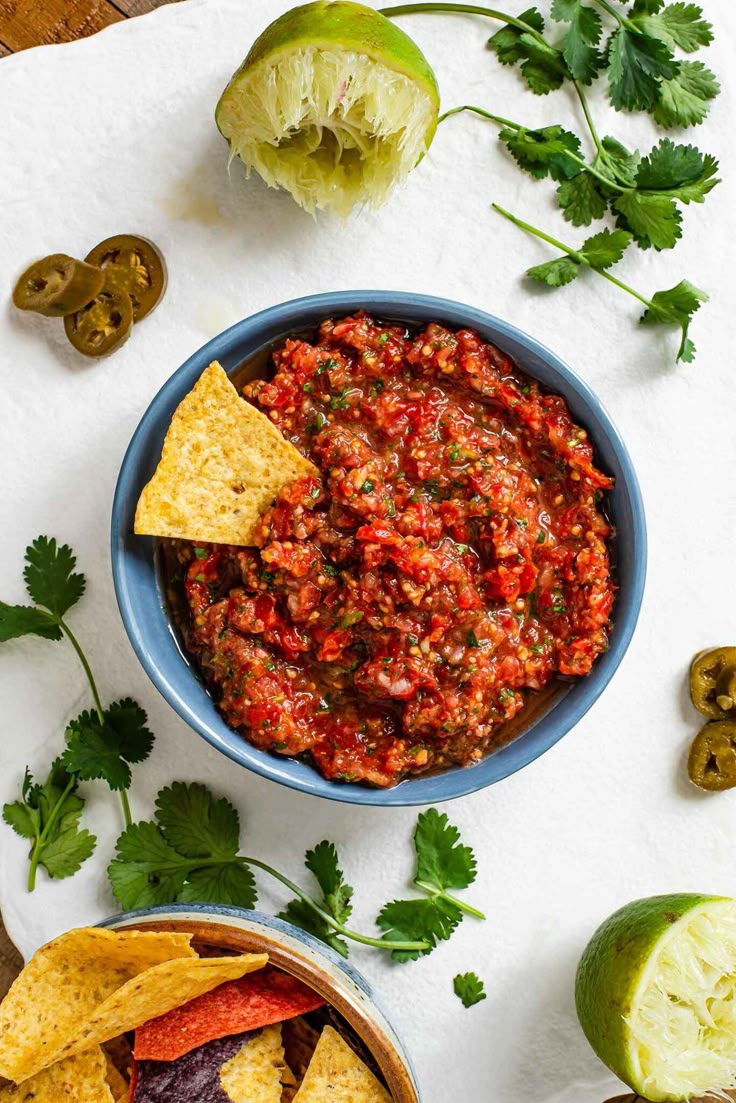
x=116, y=134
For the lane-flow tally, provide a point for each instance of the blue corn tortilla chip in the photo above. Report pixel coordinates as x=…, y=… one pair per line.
x=193, y=1078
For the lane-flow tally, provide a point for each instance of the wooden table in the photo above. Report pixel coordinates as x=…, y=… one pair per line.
x=25, y=23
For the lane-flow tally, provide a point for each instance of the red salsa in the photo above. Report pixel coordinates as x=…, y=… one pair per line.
x=448, y=560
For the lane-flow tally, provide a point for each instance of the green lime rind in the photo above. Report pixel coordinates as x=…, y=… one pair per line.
x=612, y=974
x=349, y=26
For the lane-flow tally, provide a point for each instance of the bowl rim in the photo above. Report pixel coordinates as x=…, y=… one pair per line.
x=458, y=781
x=296, y=952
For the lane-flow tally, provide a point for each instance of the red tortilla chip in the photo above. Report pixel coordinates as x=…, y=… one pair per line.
x=257, y=1000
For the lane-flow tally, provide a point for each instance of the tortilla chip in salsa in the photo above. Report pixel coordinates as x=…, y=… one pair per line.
x=222, y=464
x=249, y=1003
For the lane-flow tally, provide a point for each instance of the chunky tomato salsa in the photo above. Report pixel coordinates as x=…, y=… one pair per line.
x=447, y=559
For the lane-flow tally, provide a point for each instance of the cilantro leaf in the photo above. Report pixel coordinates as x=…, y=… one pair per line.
x=64, y=854
x=443, y=862
x=685, y=99
x=24, y=620
x=232, y=883
x=581, y=41
x=606, y=248
x=544, y=152
x=543, y=68
x=301, y=915
x=20, y=817
x=636, y=66
x=652, y=219
x=581, y=200
x=430, y=919
x=146, y=870
x=103, y=750
x=50, y=577
x=677, y=24
x=676, y=306
x=668, y=166
x=555, y=273
x=196, y=823
x=469, y=989
x=48, y=815
x=323, y=862
x=616, y=158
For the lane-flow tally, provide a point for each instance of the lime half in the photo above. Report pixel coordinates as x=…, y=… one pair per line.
x=656, y=995
x=333, y=103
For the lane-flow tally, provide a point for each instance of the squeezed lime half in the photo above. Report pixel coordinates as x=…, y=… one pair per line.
x=333, y=103
x=656, y=995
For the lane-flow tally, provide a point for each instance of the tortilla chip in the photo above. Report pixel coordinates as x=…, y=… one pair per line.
x=247, y=1004
x=254, y=1074
x=65, y=982
x=79, y=1079
x=337, y=1074
x=222, y=464
x=157, y=991
x=195, y=1076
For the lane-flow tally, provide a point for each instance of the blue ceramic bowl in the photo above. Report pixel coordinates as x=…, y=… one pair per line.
x=143, y=609
x=298, y=953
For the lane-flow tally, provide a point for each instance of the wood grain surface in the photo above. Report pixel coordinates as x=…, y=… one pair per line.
x=25, y=23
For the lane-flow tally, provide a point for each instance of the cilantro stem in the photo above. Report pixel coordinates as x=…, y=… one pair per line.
x=43, y=835
x=618, y=16
x=432, y=890
x=579, y=257
x=87, y=669
x=609, y=181
x=365, y=940
x=589, y=118
x=126, y=807
x=98, y=703
x=470, y=9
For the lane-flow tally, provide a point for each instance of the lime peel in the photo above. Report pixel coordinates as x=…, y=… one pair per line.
x=334, y=104
x=656, y=996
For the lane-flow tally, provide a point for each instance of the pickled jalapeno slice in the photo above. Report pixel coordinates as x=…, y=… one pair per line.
x=102, y=325
x=711, y=763
x=57, y=285
x=132, y=265
x=713, y=682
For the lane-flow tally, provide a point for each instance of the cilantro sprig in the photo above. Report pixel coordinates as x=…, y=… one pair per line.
x=191, y=851
x=100, y=743
x=675, y=306
x=637, y=49
x=469, y=989
x=48, y=815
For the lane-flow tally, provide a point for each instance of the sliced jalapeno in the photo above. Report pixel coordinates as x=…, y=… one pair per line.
x=711, y=763
x=713, y=682
x=134, y=265
x=57, y=285
x=101, y=325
